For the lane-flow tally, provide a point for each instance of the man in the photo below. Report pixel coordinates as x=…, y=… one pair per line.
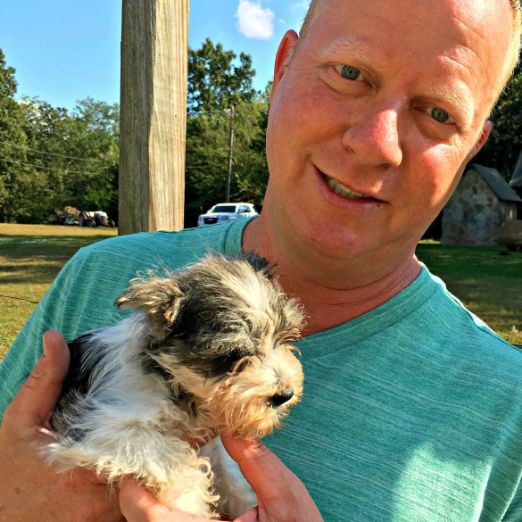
x=412, y=407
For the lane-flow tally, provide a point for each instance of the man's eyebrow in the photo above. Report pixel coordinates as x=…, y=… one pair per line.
x=352, y=45
x=359, y=49
x=445, y=93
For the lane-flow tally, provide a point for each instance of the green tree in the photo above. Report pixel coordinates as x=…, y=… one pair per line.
x=207, y=157
x=13, y=168
x=47, y=131
x=96, y=129
x=505, y=142
x=74, y=154
x=216, y=80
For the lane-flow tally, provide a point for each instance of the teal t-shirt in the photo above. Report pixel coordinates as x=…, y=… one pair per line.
x=411, y=412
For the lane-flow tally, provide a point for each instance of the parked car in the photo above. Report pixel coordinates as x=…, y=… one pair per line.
x=225, y=212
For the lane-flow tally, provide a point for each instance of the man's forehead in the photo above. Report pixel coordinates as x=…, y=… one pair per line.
x=474, y=33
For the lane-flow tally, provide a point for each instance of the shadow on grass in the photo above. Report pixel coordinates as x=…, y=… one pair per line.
x=27, y=273
x=26, y=260
x=56, y=247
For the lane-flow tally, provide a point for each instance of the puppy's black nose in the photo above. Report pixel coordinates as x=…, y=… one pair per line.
x=282, y=397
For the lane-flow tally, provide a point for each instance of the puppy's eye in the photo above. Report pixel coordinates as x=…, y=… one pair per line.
x=241, y=365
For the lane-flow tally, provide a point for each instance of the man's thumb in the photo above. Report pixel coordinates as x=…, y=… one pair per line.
x=38, y=395
x=262, y=469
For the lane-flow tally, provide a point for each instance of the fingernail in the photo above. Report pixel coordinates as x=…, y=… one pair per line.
x=44, y=347
x=45, y=343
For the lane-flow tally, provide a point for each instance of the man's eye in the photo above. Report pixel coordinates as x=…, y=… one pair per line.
x=349, y=72
x=440, y=115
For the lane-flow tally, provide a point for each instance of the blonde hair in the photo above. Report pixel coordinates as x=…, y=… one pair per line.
x=515, y=42
x=514, y=47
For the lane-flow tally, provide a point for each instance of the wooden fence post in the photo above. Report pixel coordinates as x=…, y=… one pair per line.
x=153, y=115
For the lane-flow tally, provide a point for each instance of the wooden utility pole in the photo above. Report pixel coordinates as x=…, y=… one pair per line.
x=154, y=47
x=230, y=150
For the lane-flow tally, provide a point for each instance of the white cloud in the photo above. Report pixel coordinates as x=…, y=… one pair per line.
x=255, y=21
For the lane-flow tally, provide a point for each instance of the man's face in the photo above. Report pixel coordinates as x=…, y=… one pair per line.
x=379, y=109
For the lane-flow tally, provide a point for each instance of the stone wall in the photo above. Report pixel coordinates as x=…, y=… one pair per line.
x=474, y=215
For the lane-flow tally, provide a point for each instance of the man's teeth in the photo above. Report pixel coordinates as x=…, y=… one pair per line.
x=342, y=190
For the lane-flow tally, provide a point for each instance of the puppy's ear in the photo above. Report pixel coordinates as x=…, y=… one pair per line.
x=159, y=297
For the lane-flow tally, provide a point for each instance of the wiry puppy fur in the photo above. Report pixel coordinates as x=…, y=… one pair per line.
x=206, y=350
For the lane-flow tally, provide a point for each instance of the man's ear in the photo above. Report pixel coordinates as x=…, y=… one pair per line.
x=484, y=135
x=283, y=57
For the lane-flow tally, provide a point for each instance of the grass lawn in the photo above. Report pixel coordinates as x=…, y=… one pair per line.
x=489, y=283
x=30, y=258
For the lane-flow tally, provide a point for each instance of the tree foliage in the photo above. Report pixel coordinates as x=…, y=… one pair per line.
x=215, y=84
x=72, y=158
x=12, y=158
x=215, y=81
x=505, y=142
x=207, y=158
x=51, y=157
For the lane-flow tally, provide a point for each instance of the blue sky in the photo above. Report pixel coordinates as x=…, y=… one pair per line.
x=66, y=50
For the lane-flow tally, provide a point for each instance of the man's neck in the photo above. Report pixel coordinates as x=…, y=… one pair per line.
x=356, y=291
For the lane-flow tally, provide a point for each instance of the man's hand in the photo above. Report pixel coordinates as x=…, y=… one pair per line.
x=138, y=505
x=281, y=495
x=30, y=489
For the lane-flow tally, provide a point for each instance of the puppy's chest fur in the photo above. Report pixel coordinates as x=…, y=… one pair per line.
x=205, y=350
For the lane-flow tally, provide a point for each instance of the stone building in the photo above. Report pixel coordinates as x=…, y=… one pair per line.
x=516, y=182
x=482, y=203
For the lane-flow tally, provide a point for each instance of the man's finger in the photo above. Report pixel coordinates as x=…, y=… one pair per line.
x=135, y=501
x=262, y=469
x=37, y=397
x=137, y=504
x=251, y=515
x=281, y=495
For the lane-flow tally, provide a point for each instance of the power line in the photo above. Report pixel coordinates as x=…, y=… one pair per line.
x=40, y=167
x=53, y=153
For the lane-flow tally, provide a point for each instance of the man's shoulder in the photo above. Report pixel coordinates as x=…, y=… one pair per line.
x=464, y=327
x=163, y=249
x=187, y=240
x=459, y=339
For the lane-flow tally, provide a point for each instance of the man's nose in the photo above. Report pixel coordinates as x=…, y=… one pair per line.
x=374, y=138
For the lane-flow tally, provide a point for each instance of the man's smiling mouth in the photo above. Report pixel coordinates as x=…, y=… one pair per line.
x=343, y=191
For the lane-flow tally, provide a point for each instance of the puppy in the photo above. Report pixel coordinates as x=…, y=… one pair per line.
x=206, y=350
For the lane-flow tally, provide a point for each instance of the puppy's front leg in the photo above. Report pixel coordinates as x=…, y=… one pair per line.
x=189, y=483
x=236, y=494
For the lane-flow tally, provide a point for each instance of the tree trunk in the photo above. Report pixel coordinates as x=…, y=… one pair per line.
x=153, y=115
